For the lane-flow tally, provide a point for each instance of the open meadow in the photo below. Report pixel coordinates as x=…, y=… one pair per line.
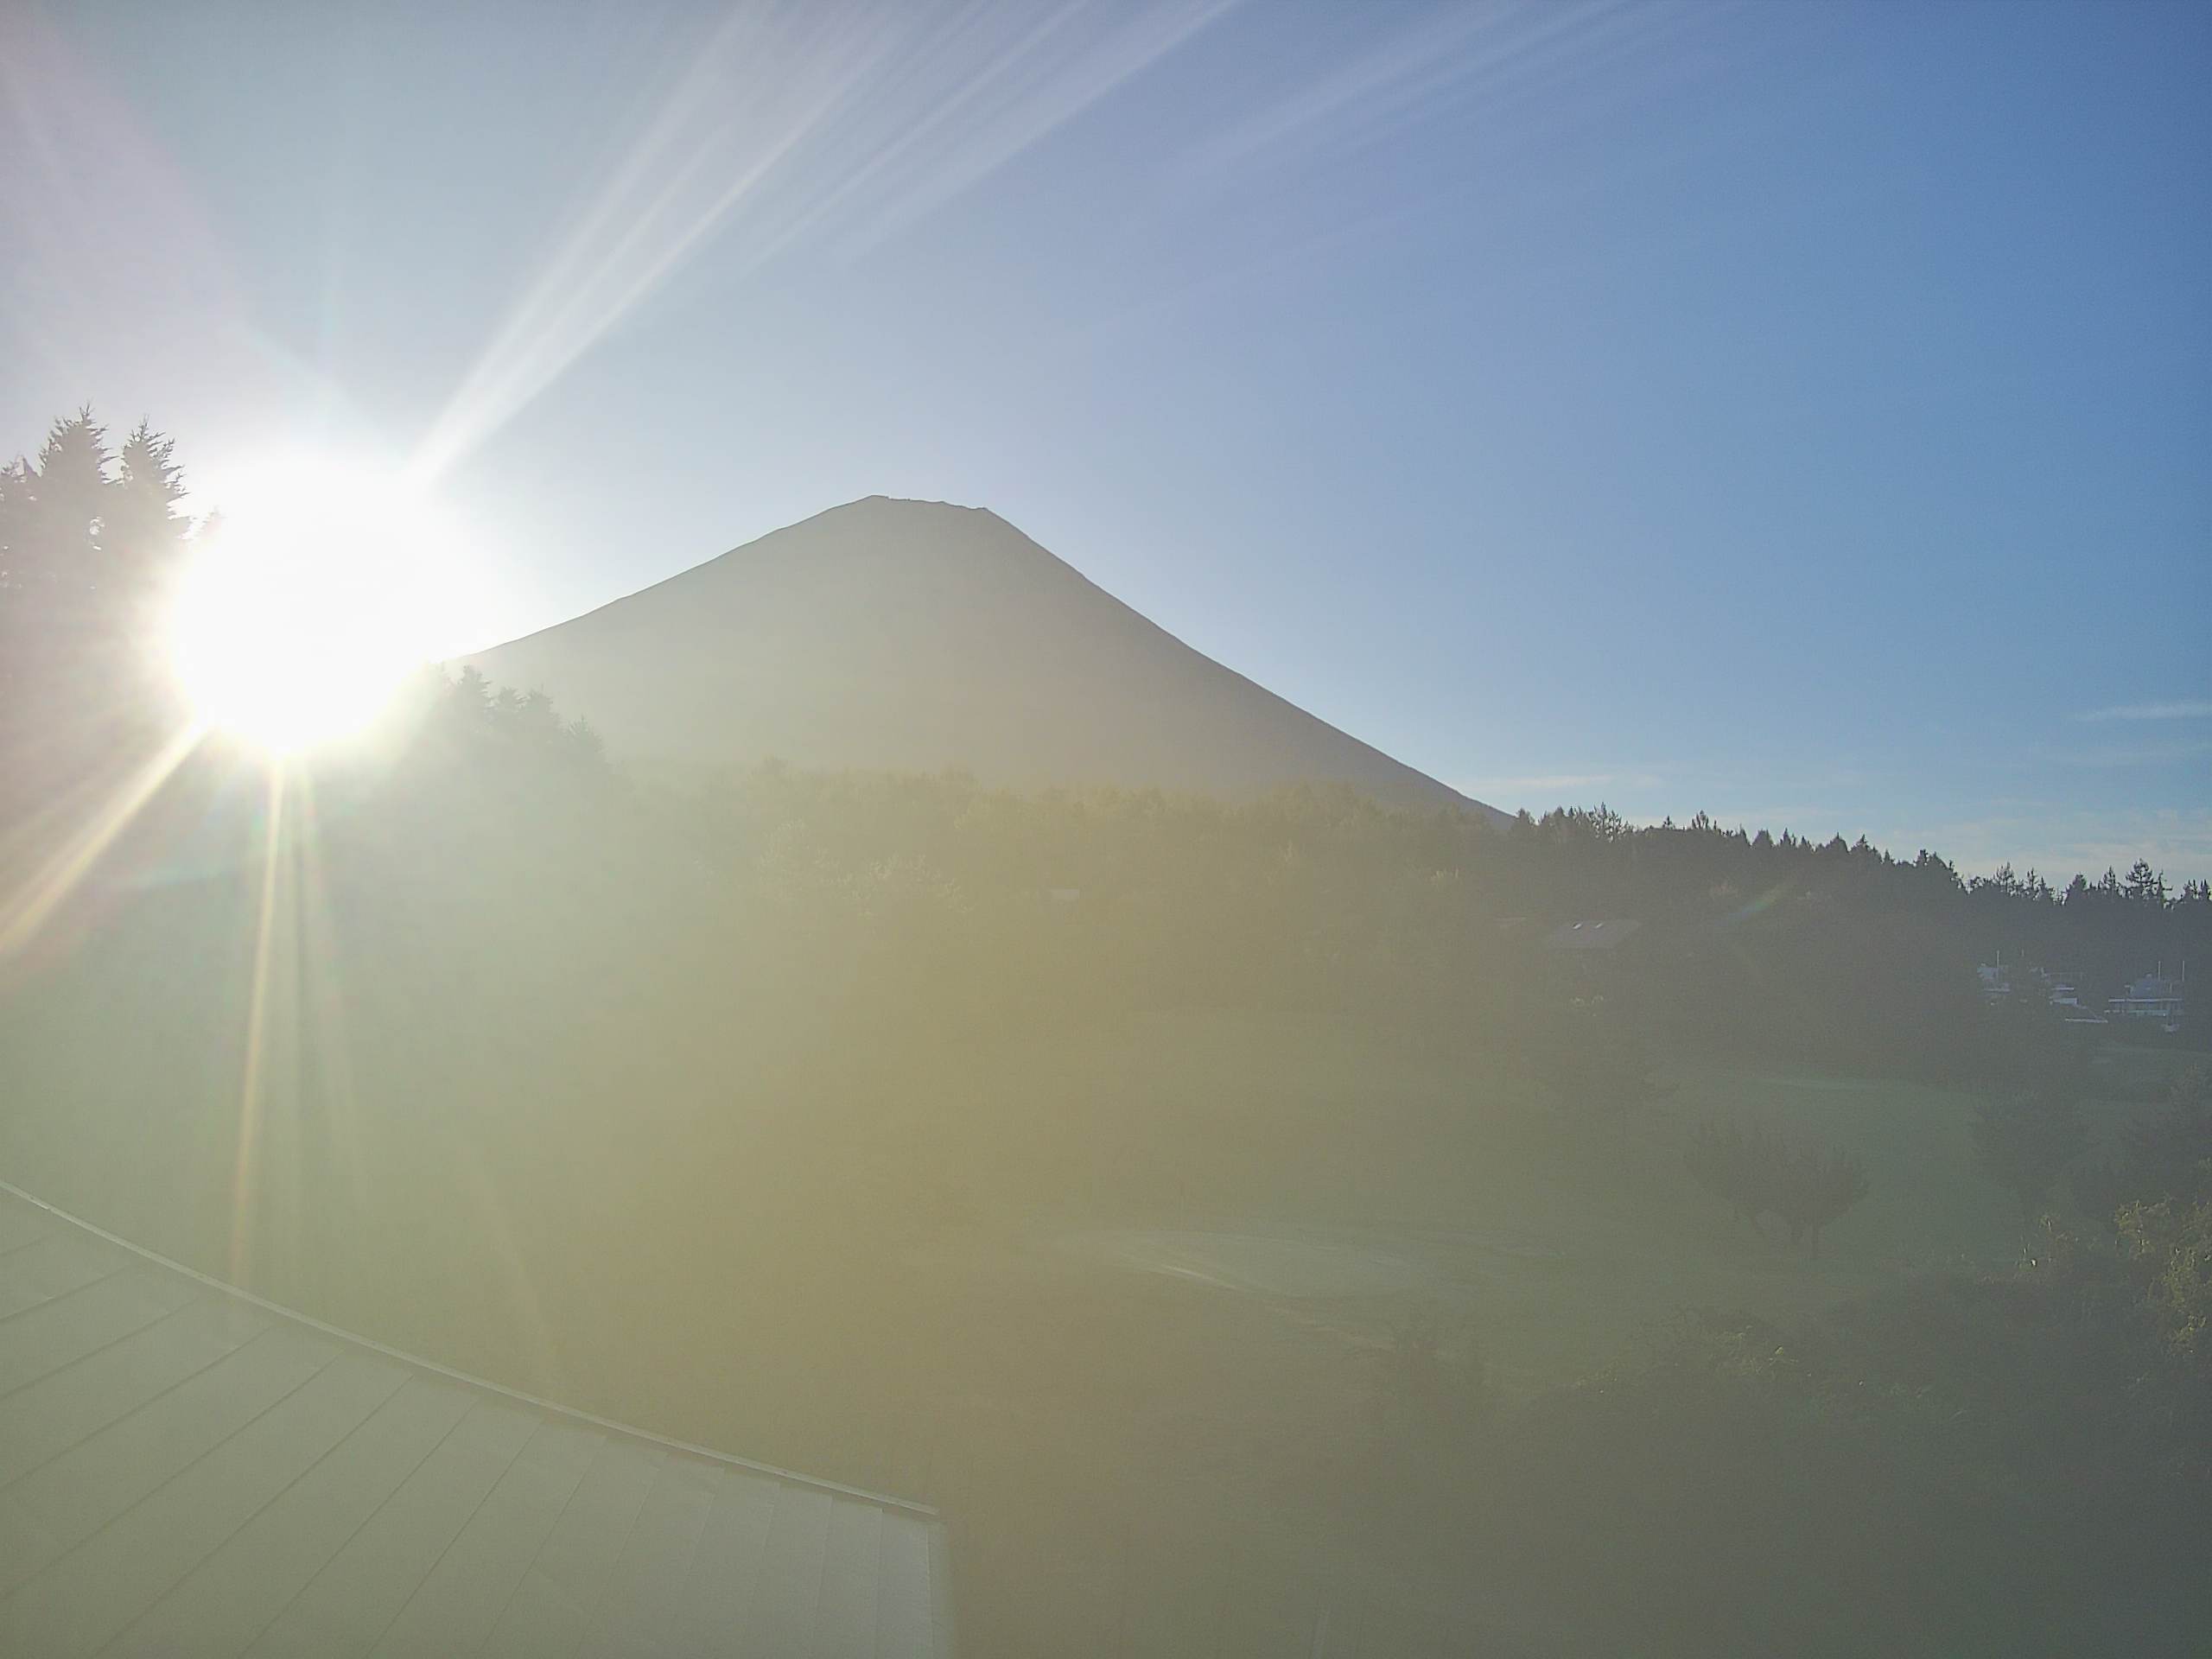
x=1135, y=1312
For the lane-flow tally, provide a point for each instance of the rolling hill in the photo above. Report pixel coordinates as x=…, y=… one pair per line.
x=918, y=636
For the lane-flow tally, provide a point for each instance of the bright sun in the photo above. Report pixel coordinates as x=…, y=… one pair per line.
x=324, y=586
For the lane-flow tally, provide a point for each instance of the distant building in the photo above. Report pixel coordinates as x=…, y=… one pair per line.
x=2066, y=997
x=2000, y=978
x=2157, y=997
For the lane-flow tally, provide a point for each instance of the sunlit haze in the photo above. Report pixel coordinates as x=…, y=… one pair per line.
x=982, y=829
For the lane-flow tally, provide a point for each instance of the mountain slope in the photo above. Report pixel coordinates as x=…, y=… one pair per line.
x=916, y=636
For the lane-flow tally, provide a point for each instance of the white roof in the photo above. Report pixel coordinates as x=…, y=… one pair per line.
x=187, y=1470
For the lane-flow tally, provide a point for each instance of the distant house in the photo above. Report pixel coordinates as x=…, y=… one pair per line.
x=2000, y=978
x=2066, y=997
x=2157, y=997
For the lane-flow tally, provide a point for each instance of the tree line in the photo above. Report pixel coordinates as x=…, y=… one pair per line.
x=1834, y=952
x=91, y=541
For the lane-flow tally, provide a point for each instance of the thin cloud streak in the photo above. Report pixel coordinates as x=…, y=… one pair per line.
x=1472, y=56
x=2184, y=710
x=2060, y=845
x=2139, y=754
x=791, y=126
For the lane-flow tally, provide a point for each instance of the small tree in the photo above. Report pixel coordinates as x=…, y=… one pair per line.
x=1757, y=1172
x=1816, y=1186
x=2025, y=1138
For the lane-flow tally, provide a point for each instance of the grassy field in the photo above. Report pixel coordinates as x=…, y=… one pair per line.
x=1338, y=1172
x=1168, y=1374
x=1120, y=1301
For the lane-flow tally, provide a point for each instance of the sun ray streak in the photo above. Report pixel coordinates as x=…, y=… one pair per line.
x=253, y=1079
x=790, y=123
x=23, y=914
x=322, y=969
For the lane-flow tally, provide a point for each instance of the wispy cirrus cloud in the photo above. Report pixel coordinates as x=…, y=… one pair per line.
x=2060, y=842
x=2182, y=709
x=2151, y=754
x=1455, y=58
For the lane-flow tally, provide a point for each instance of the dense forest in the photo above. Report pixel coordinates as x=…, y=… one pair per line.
x=329, y=1030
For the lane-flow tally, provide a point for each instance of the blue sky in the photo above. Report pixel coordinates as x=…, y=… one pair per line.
x=1797, y=412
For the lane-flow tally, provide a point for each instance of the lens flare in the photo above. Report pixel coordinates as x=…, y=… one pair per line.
x=323, y=588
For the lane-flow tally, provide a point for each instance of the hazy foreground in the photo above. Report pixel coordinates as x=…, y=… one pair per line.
x=1227, y=1298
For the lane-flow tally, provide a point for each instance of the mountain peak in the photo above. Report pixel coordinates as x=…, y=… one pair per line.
x=900, y=505
x=889, y=633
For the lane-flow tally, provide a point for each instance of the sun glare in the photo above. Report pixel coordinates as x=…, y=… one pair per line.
x=324, y=586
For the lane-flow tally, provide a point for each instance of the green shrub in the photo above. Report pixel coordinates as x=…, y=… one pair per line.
x=1760, y=1174
x=2171, y=1241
